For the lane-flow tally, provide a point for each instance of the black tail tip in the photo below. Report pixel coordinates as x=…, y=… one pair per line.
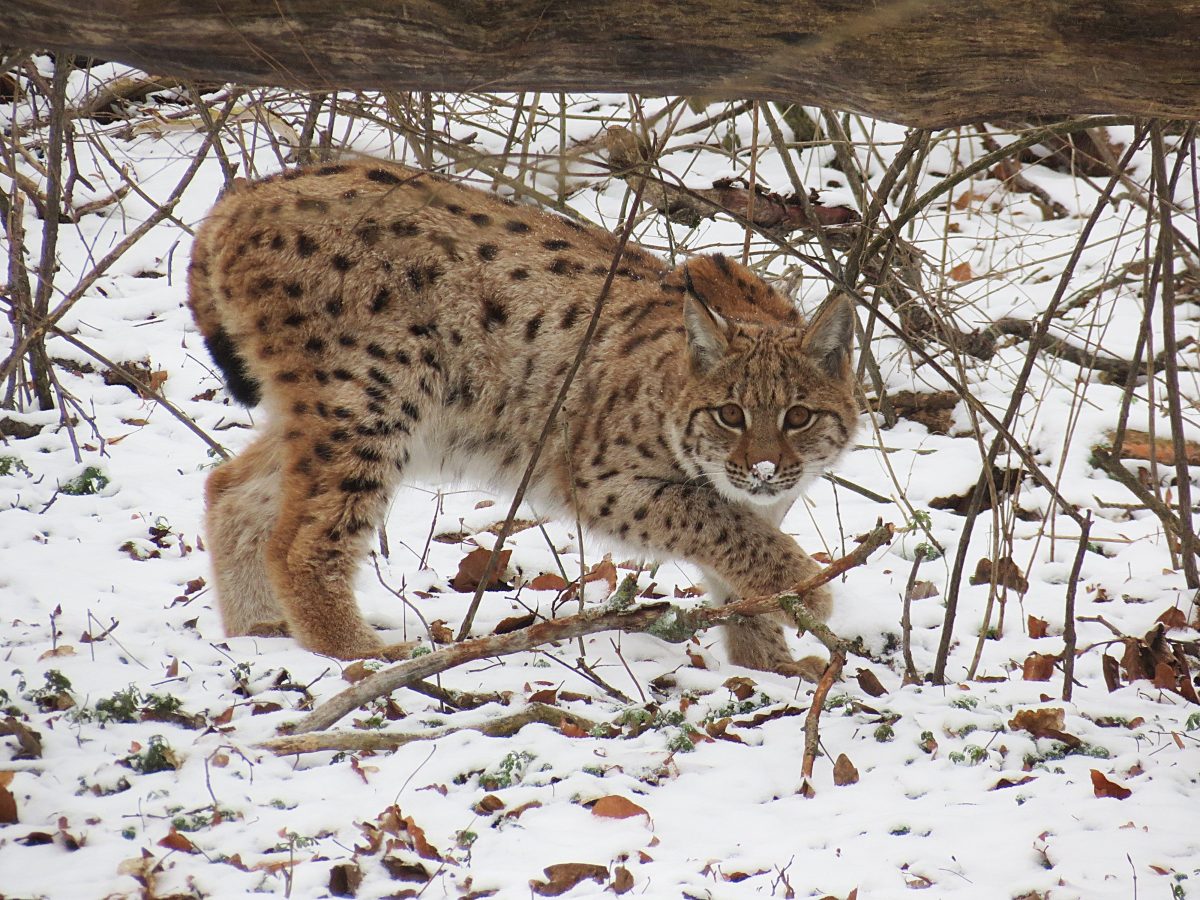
x=221, y=348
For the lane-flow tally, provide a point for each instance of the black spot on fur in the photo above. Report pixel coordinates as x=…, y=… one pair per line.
x=288, y=377
x=309, y=204
x=277, y=242
x=570, y=316
x=342, y=263
x=330, y=170
x=369, y=233
x=410, y=410
x=382, y=176
x=314, y=345
x=376, y=351
x=556, y=244
x=494, y=314
x=378, y=376
x=368, y=454
x=382, y=298
x=518, y=274
x=403, y=228
x=360, y=485
x=245, y=390
x=559, y=267
x=305, y=245
x=343, y=375
x=334, y=307
x=295, y=319
x=516, y=227
x=429, y=330
x=532, y=326
x=488, y=252
x=293, y=289
x=323, y=451
x=402, y=358
x=481, y=219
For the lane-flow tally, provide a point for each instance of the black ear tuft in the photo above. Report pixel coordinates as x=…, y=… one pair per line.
x=830, y=336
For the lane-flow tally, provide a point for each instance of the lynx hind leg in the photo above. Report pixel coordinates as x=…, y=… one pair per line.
x=242, y=499
x=336, y=487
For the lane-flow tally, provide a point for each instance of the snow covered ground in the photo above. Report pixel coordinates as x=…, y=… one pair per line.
x=146, y=779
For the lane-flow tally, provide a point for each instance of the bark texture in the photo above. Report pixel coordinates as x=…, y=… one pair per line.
x=921, y=62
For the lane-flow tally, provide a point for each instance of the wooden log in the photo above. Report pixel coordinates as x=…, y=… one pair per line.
x=918, y=62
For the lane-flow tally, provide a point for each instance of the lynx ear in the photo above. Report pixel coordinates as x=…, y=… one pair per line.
x=706, y=330
x=830, y=335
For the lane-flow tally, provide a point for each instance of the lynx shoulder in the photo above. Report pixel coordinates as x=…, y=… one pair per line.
x=397, y=324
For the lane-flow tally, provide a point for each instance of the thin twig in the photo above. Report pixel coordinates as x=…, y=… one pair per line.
x=1068, y=654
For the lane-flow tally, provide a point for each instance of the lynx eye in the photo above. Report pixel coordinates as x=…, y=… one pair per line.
x=731, y=416
x=797, y=418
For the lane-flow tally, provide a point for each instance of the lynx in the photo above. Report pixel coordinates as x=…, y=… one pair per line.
x=396, y=324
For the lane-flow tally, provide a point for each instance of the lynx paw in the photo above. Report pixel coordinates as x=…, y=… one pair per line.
x=269, y=629
x=811, y=668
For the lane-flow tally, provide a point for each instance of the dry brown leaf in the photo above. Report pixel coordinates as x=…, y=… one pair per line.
x=489, y=803
x=1045, y=723
x=740, y=686
x=356, y=671
x=30, y=741
x=470, y=571
x=1012, y=782
x=549, y=696
x=1007, y=574
x=562, y=877
x=345, y=879
x=8, y=803
x=548, y=581
x=60, y=650
x=923, y=590
x=614, y=806
x=961, y=272
x=417, y=835
x=1102, y=787
x=405, y=869
x=514, y=623
x=622, y=880
x=1038, y=666
x=1173, y=618
x=440, y=633
x=868, y=681
x=1037, y=627
x=605, y=570
x=176, y=841
x=844, y=771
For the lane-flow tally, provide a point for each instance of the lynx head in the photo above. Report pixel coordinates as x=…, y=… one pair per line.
x=767, y=402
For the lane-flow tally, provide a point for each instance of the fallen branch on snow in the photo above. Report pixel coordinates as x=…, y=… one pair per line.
x=663, y=620
x=382, y=741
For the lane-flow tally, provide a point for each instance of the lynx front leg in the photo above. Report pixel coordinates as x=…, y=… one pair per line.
x=743, y=554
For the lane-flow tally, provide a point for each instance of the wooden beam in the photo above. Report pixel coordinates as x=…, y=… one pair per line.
x=920, y=62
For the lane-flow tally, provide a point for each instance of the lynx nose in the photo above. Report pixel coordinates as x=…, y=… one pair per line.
x=763, y=471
